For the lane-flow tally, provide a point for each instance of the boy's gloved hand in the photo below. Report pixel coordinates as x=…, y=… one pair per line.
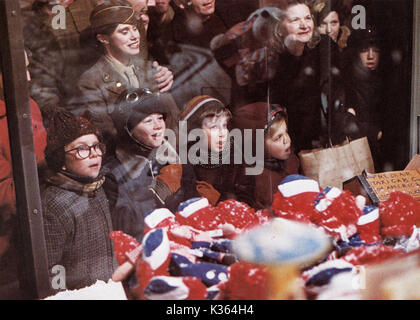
x=167, y=182
x=206, y=190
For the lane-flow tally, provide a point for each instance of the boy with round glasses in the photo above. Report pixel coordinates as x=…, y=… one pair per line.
x=76, y=214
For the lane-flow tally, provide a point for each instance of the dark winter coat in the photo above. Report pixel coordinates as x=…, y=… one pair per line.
x=128, y=189
x=291, y=81
x=228, y=178
x=365, y=93
x=77, y=223
x=188, y=28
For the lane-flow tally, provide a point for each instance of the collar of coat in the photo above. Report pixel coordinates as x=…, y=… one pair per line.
x=134, y=164
x=113, y=79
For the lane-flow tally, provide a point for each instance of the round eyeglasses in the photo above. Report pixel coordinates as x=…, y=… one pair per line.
x=84, y=151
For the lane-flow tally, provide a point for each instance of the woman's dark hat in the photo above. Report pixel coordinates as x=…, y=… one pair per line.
x=363, y=38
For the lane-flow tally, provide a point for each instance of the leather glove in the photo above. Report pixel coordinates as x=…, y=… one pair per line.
x=208, y=191
x=171, y=175
x=167, y=182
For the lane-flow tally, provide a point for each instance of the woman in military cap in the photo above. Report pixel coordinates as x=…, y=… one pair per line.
x=120, y=67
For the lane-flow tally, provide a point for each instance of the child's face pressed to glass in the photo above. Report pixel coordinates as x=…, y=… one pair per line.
x=278, y=143
x=89, y=166
x=370, y=57
x=216, y=132
x=150, y=130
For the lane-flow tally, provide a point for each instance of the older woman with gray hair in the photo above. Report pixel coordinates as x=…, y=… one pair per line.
x=284, y=69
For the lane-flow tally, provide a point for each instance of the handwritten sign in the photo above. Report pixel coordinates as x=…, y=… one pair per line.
x=384, y=183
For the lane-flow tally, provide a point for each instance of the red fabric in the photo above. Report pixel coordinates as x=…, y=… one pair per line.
x=7, y=193
x=399, y=214
x=246, y=282
x=369, y=233
x=198, y=291
x=229, y=212
x=298, y=208
x=123, y=244
x=371, y=254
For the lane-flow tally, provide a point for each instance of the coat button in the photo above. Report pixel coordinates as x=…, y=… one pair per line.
x=118, y=84
x=106, y=76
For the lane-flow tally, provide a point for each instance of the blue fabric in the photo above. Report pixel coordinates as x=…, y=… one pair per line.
x=153, y=241
x=324, y=277
x=209, y=273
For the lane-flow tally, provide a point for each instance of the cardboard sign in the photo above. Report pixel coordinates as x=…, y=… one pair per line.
x=384, y=183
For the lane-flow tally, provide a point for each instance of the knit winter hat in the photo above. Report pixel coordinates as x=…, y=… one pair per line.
x=362, y=38
x=110, y=13
x=63, y=128
x=259, y=115
x=132, y=106
x=195, y=108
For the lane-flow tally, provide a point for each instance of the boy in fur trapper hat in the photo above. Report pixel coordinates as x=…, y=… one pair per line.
x=145, y=173
x=76, y=215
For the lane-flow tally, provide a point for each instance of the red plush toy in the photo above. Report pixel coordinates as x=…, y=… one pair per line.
x=337, y=212
x=371, y=254
x=155, y=259
x=229, y=217
x=368, y=225
x=399, y=214
x=238, y=214
x=123, y=245
x=295, y=198
x=159, y=218
x=197, y=213
x=246, y=282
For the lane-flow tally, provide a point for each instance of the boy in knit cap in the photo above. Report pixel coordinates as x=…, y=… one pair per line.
x=76, y=215
x=279, y=158
x=218, y=177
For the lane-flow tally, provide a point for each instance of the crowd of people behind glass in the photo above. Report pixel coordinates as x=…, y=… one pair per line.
x=123, y=71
